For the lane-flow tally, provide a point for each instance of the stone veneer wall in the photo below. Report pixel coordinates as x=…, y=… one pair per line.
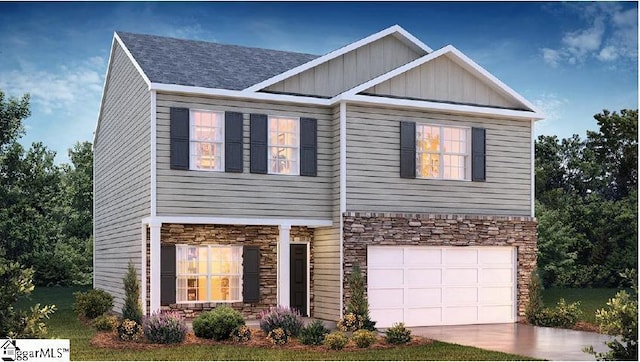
x=364, y=228
x=266, y=237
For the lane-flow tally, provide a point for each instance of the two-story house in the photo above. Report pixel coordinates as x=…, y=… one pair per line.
x=255, y=178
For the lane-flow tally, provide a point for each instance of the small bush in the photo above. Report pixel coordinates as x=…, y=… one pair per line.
x=349, y=323
x=106, y=323
x=364, y=338
x=398, y=334
x=165, y=328
x=278, y=336
x=281, y=317
x=217, y=324
x=93, y=303
x=536, y=304
x=132, y=308
x=129, y=330
x=563, y=315
x=336, y=340
x=241, y=334
x=314, y=333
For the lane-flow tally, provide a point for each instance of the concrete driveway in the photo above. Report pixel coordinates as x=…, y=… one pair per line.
x=526, y=340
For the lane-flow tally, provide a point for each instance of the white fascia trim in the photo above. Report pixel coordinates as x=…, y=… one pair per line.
x=338, y=52
x=343, y=157
x=154, y=154
x=238, y=94
x=533, y=168
x=132, y=59
x=444, y=107
x=236, y=221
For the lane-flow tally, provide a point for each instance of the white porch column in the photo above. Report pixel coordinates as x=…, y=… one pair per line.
x=284, y=260
x=154, y=228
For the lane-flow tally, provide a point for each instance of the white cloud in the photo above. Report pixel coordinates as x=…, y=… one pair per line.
x=551, y=105
x=610, y=34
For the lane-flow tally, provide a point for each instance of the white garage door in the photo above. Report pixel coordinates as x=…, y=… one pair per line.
x=425, y=286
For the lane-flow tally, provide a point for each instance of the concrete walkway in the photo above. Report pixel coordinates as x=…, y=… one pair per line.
x=539, y=342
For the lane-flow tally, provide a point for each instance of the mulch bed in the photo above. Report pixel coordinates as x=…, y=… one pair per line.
x=258, y=339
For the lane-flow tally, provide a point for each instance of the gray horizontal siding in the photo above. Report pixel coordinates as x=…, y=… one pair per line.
x=350, y=69
x=326, y=272
x=443, y=80
x=203, y=193
x=373, y=167
x=122, y=175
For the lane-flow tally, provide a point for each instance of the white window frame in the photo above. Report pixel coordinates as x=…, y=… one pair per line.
x=193, y=141
x=210, y=274
x=441, y=153
x=269, y=145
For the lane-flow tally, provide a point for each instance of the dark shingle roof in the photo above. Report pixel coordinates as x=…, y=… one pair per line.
x=204, y=64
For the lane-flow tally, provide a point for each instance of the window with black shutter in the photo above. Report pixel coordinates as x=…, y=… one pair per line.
x=233, y=142
x=308, y=147
x=251, y=274
x=179, y=138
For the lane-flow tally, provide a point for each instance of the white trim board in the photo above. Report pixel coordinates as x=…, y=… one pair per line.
x=236, y=221
x=400, y=33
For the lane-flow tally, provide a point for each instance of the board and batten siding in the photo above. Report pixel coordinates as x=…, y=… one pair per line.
x=326, y=244
x=122, y=175
x=350, y=69
x=442, y=79
x=247, y=195
x=373, y=167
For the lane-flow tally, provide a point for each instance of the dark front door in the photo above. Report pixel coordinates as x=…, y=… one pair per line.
x=298, y=276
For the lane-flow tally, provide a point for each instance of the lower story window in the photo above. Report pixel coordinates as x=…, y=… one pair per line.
x=208, y=273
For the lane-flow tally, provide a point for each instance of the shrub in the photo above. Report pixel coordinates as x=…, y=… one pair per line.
x=129, y=330
x=241, y=334
x=281, y=317
x=314, y=333
x=106, y=323
x=93, y=303
x=563, y=315
x=348, y=323
x=165, y=328
x=364, y=338
x=278, y=336
x=536, y=304
x=398, y=334
x=131, y=309
x=358, y=304
x=336, y=340
x=217, y=324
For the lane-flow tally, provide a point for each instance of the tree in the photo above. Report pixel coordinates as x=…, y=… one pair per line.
x=12, y=112
x=358, y=304
x=132, y=309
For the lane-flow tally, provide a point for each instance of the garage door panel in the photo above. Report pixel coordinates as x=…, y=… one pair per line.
x=387, y=317
x=385, y=277
x=424, y=297
x=423, y=316
x=423, y=257
x=460, y=276
x=387, y=297
x=460, y=315
x=497, y=295
x=424, y=277
x=458, y=296
x=496, y=276
x=386, y=256
x=460, y=256
x=496, y=314
x=495, y=255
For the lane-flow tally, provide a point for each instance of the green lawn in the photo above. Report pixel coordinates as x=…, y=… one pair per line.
x=64, y=324
x=591, y=299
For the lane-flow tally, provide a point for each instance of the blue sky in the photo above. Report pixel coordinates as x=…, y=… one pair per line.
x=570, y=59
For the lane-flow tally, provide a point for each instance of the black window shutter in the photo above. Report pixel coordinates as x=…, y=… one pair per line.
x=408, y=149
x=233, y=142
x=167, y=274
x=478, y=154
x=251, y=274
x=179, y=134
x=258, y=141
x=308, y=147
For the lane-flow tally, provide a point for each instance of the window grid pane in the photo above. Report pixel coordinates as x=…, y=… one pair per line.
x=207, y=140
x=441, y=152
x=283, y=146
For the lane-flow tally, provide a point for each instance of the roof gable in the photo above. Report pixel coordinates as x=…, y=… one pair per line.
x=204, y=64
x=446, y=75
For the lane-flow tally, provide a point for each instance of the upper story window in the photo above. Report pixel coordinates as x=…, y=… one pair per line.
x=207, y=140
x=284, y=146
x=442, y=152
x=208, y=273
